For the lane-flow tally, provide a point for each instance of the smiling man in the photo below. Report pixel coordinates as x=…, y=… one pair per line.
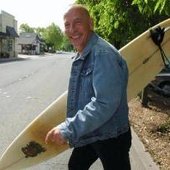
x=78, y=28
x=97, y=124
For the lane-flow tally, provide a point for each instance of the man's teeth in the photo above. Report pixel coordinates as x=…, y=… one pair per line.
x=75, y=37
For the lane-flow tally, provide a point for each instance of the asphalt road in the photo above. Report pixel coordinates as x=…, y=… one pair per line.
x=27, y=87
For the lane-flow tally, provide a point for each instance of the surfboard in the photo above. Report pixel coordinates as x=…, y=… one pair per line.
x=144, y=63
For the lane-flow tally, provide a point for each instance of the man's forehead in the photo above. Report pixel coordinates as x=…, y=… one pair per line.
x=74, y=16
x=77, y=11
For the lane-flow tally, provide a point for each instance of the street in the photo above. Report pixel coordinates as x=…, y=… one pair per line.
x=27, y=87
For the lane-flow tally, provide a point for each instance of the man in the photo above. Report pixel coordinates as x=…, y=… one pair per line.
x=97, y=123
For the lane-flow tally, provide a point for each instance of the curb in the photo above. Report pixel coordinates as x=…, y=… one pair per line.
x=3, y=60
x=141, y=159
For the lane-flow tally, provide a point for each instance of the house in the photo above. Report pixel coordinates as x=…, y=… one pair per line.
x=8, y=35
x=29, y=43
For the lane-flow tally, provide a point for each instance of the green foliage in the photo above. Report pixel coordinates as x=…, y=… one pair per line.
x=26, y=28
x=150, y=7
x=119, y=21
x=53, y=36
x=66, y=45
x=40, y=31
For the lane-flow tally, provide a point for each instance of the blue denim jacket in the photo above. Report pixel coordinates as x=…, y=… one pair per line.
x=97, y=96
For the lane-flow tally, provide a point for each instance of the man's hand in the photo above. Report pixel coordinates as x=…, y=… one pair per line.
x=55, y=136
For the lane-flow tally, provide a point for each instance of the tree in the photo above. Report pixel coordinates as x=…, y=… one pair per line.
x=53, y=37
x=119, y=21
x=26, y=28
x=66, y=45
x=40, y=31
x=150, y=7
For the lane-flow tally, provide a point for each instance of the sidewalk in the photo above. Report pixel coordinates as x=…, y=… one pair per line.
x=20, y=57
x=140, y=158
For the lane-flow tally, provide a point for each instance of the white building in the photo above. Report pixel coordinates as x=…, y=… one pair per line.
x=8, y=35
x=29, y=43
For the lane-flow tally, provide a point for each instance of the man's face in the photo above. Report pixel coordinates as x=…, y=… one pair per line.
x=78, y=27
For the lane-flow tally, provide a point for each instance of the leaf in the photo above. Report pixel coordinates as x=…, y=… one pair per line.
x=146, y=1
x=116, y=24
x=160, y=5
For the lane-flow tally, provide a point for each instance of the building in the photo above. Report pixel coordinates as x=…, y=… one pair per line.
x=30, y=43
x=8, y=35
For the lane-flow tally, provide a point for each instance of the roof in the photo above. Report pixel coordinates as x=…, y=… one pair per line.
x=28, y=38
x=10, y=32
x=2, y=35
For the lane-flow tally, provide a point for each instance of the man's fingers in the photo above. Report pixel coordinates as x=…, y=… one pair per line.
x=55, y=136
x=49, y=137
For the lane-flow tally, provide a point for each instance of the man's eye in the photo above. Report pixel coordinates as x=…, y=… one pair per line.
x=66, y=25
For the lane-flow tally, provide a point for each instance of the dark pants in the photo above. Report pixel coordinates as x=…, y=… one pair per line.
x=113, y=153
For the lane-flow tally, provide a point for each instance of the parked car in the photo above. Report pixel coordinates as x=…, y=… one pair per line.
x=160, y=85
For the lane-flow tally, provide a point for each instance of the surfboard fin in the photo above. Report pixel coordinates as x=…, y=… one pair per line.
x=157, y=36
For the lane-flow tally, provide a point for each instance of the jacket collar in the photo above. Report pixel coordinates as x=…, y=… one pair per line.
x=92, y=41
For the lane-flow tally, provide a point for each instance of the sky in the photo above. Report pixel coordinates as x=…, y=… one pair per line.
x=37, y=13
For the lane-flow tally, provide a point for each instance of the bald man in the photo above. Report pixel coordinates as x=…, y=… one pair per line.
x=97, y=124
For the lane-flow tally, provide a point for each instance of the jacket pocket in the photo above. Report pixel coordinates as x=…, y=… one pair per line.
x=86, y=77
x=86, y=87
x=86, y=71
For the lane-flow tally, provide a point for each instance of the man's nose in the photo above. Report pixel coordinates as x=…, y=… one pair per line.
x=72, y=28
